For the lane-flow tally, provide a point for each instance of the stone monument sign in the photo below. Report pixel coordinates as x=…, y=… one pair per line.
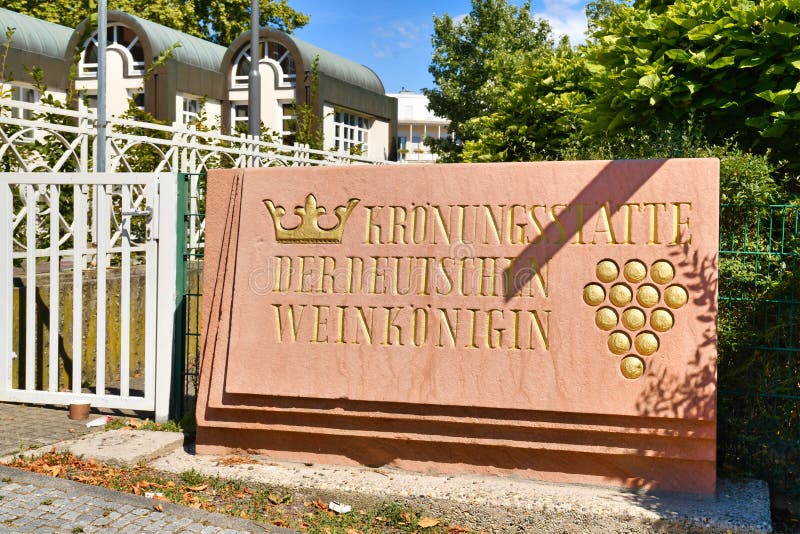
x=549, y=320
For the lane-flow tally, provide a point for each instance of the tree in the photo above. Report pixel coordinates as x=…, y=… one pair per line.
x=474, y=61
x=217, y=21
x=538, y=114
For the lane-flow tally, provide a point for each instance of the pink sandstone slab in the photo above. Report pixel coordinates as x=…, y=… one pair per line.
x=554, y=320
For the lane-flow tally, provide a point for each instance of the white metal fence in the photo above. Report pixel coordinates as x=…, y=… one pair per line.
x=44, y=237
x=38, y=138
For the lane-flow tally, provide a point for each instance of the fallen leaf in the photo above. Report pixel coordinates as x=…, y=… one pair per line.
x=353, y=531
x=244, y=515
x=160, y=498
x=158, y=508
x=274, y=499
x=406, y=517
x=201, y=487
x=457, y=529
x=428, y=522
x=134, y=423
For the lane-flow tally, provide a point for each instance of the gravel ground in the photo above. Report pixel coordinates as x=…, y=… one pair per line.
x=505, y=504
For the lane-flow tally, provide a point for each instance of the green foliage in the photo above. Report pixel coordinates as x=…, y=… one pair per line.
x=475, y=60
x=307, y=125
x=538, y=115
x=118, y=423
x=727, y=68
x=217, y=21
x=732, y=64
x=222, y=22
x=757, y=324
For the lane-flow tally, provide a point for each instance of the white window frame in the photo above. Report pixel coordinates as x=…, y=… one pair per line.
x=236, y=119
x=89, y=70
x=287, y=133
x=187, y=115
x=284, y=79
x=19, y=94
x=351, y=129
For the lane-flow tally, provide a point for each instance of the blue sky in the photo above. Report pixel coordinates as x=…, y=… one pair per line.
x=394, y=38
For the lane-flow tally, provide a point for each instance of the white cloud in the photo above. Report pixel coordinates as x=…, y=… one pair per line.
x=400, y=35
x=567, y=17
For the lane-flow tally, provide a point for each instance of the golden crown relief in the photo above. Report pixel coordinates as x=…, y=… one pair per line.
x=309, y=230
x=649, y=294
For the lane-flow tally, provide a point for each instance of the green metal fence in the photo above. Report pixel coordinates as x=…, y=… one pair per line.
x=191, y=212
x=759, y=343
x=759, y=335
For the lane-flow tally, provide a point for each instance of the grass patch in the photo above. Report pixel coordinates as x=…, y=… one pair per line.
x=134, y=424
x=236, y=498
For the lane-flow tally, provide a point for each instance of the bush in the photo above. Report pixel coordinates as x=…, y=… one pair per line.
x=745, y=178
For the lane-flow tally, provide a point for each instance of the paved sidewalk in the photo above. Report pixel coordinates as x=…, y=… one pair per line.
x=30, y=502
x=24, y=427
x=30, y=427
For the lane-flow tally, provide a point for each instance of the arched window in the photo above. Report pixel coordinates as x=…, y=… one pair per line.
x=271, y=51
x=119, y=38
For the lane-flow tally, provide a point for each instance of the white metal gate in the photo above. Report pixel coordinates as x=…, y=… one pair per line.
x=93, y=256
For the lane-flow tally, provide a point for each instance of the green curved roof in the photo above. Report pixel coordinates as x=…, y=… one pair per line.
x=192, y=51
x=34, y=35
x=338, y=67
x=330, y=64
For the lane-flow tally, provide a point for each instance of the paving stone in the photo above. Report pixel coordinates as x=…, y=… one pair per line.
x=88, y=507
x=31, y=427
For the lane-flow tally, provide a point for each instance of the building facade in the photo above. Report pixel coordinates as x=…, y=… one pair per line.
x=415, y=123
x=203, y=80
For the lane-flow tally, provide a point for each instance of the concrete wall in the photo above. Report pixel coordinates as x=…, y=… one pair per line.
x=379, y=140
x=89, y=329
